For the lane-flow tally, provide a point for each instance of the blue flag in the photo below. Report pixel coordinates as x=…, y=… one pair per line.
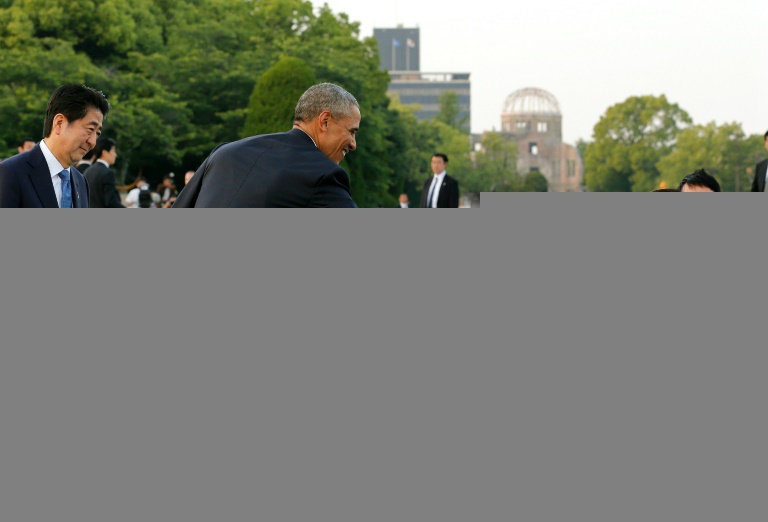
x=395, y=42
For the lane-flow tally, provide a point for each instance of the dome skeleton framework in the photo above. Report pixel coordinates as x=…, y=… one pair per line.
x=531, y=100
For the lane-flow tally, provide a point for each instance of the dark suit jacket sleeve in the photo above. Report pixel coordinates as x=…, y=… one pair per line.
x=423, y=198
x=332, y=190
x=453, y=201
x=9, y=188
x=109, y=191
x=86, y=203
x=759, y=171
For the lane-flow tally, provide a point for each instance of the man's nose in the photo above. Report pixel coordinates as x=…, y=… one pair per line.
x=353, y=144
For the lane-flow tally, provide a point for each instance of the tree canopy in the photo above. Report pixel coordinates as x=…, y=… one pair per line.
x=630, y=138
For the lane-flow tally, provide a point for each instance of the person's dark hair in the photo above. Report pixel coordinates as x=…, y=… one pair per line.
x=700, y=178
x=666, y=190
x=440, y=155
x=73, y=100
x=103, y=144
x=89, y=155
x=324, y=97
x=25, y=139
x=766, y=135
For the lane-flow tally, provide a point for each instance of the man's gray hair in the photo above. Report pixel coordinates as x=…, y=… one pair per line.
x=325, y=97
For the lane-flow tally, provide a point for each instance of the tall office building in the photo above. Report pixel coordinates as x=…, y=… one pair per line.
x=399, y=52
x=398, y=48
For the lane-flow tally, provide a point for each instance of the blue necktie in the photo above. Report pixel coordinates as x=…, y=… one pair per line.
x=66, y=189
x=431, y=191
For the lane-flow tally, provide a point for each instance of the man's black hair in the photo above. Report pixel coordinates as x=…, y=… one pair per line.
x=440, y=155
x=73, y=100
x=103, y=144
x=700, y=178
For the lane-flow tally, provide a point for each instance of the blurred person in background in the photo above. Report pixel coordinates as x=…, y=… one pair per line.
x=101, y=178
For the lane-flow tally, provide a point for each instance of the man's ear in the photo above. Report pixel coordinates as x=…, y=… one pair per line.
x=324, y=119
x=59, y=121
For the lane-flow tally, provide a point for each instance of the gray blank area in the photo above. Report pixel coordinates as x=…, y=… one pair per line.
x=544, y=358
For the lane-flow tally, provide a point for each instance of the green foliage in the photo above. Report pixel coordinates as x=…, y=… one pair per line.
x=629, y=140
x=180, y=74
x=495, y=166
x=723, y=151
x=450, y=110
x=273, y=101
x=535, y=182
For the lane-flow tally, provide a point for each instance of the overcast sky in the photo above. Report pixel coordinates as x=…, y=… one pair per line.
x=711, y=58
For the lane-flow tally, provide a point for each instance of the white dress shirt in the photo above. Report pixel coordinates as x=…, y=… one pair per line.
x=437, y=182
x=55, y=167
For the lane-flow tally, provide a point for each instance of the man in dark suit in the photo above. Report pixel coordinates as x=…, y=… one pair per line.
x=45, y=177
x=403, y=201
x=298, y=168
x=101, y=178
x=441, y=190
x=761, y=171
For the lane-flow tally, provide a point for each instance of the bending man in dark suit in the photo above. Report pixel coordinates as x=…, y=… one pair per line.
x=298, y=168
x=45, y=177
x=761, y=171
x=101, y=179
x=441, y=190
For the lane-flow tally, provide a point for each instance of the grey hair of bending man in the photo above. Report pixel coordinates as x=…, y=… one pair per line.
x=324, y=97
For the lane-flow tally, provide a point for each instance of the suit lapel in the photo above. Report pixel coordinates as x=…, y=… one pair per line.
x=79, y=188
x=40, y=177
x=442, y=194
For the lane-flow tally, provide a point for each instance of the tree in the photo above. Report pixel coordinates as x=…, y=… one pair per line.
x=450, y=110
x=274, y=97
x=723, y=151
x=180, y=74
x=535, y=182
x=629, y=140
x=495, y=166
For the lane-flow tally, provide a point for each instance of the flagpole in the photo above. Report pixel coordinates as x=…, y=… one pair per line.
x=393, y=54
x=407, y=57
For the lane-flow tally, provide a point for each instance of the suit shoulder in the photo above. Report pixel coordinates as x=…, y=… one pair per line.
x=16, y=163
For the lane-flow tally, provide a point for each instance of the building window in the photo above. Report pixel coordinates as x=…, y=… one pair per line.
x=534, y=169
x=521, y=125
x=541, y=126
x=533, y=148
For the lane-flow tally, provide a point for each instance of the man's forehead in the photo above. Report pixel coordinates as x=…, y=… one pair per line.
x=93, y=117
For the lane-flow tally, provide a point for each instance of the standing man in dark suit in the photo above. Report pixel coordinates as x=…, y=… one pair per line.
x=101, y=178
x=298, y=168
x=441, y=190
x=761, y=171
x=45, y=177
